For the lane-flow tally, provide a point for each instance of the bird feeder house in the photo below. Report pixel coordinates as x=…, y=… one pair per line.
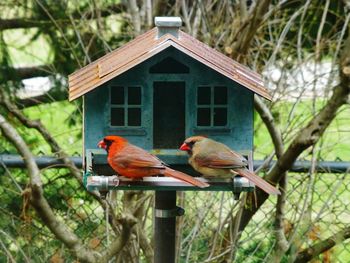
x=160, y=88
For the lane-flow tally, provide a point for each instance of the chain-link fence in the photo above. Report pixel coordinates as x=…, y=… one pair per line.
x=317, y=208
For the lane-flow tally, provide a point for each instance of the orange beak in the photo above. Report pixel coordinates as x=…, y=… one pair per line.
x=185, y=147
x=102, y=145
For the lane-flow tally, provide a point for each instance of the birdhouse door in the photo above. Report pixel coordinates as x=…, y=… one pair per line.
x=168, y=114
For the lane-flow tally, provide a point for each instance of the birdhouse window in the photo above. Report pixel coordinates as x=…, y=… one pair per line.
x=211, y=106
x=125, y=106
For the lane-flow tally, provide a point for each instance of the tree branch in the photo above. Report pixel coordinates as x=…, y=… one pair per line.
x=250, y=27
x=38, y=201
x=30, y=72
x=275, y=134
x=311, y=252
x=311, y=133
x=55, y=148
x=267, y=118
x=135, y=16
x=127, y=221
x=41, y=205
x=37, y=125
x=145, y=244
x=55, y=94
x=282, y=244
x=22, y=23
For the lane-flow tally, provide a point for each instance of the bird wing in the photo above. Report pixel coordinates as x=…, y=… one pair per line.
x=134, y=157
x=223, y=159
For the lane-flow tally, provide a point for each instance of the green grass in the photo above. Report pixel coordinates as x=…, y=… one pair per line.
x=335, y=143
x=55, y=118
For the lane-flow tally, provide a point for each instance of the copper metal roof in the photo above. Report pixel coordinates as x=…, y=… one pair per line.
x=147, y=45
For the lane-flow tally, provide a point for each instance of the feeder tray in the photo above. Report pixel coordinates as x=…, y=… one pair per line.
x=101, y=177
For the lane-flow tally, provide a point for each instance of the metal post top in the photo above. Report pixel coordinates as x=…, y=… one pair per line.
x=167, y=21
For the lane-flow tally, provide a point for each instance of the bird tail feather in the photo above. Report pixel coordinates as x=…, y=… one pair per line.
x=258, y=181
x=184, y=177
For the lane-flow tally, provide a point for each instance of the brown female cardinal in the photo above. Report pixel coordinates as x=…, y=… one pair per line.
x=131, y=161
x=214, y=159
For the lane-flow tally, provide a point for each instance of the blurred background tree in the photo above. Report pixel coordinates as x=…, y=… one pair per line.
x=302, y=48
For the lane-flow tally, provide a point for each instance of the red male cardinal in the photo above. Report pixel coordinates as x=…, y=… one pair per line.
x=131, y=161
x=214, y=159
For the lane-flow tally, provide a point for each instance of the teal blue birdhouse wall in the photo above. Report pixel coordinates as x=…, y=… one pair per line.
x=164, y=86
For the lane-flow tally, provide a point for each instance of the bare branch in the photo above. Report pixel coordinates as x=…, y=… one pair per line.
x=145, y=244
x=77, y=33
x=281, y=240
x=311, y=252
x=320, y=29
x=59, y=28
x=75, y=171
x=149, y=15
x=22, y=23
x=55, y=94
x=275, y=134
x=7, y=252
x=196, y=22
x=267, y=118
x=243, y=8
x=44, y=132
x=311, y=133
x=235, y=233
x=253, y=23
x=31, y=72
x=43, y=208
x=184, y=9
x=135, y=16
x=38, y=201
x=128, y=221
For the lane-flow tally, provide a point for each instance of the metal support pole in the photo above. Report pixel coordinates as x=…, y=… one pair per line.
x=164, y=226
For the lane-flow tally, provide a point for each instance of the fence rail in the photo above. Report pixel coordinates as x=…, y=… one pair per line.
x=16, y=161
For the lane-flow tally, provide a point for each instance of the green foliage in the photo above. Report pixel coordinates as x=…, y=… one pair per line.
x=54, y=117
x=334, y=22
x=256, y=250
x=6, y=71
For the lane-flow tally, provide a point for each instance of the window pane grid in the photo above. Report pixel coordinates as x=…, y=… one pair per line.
x=130, y=105
x=218, y=105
